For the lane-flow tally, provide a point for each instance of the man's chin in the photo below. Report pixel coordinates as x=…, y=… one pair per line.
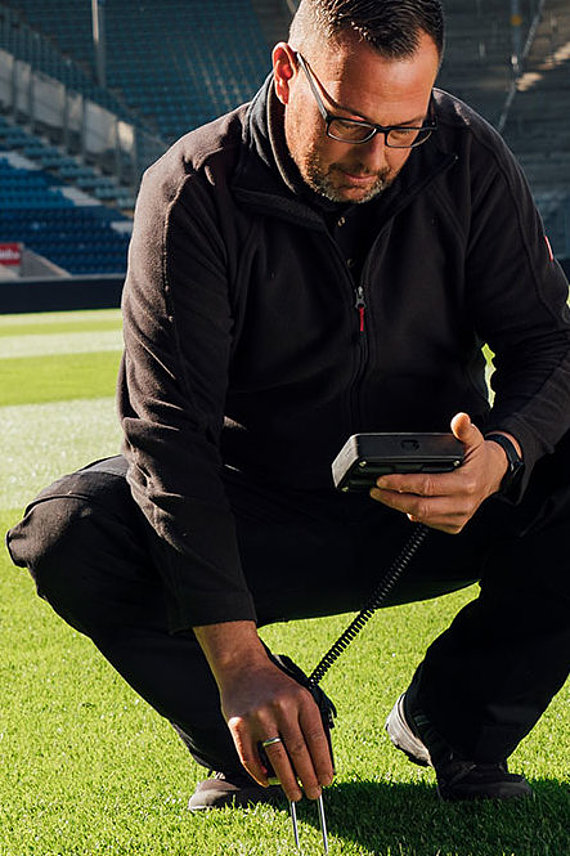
x=359, y=194
x=355, y=189
x=363, y=194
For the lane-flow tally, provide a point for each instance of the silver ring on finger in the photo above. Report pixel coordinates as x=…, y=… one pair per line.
x=272, y=741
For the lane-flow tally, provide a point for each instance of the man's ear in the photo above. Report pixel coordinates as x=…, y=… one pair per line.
x=284, y=68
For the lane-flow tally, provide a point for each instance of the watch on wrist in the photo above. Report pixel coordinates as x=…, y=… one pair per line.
x=515, y=462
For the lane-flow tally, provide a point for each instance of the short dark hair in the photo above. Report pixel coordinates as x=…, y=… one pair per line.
x=392, y=27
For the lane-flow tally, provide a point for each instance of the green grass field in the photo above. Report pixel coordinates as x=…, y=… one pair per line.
x=89, y=768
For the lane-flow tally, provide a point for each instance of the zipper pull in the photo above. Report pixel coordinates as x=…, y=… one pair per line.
x=360, y=306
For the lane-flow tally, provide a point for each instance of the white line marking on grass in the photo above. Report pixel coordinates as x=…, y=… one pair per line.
x=40, y=345
x=42, y=442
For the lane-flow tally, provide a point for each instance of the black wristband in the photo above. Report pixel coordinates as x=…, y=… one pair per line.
x=515, y=462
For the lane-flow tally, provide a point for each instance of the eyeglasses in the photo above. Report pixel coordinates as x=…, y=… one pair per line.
x=356, y=131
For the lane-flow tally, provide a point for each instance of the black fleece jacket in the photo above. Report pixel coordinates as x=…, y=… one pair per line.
x=249, y=342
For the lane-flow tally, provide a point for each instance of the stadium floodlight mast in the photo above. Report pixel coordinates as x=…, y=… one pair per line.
x=99, y=40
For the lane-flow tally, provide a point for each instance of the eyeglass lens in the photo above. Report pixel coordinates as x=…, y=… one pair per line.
x=347, y=131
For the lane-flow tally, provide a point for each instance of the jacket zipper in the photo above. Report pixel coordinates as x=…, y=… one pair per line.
x=353, y=399
x=360, y=306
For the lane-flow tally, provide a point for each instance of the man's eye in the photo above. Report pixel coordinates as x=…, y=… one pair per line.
x=350, y=130
x=348, y=126
x=403, y=135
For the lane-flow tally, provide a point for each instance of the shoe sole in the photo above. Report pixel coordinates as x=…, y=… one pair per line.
x=403, y=737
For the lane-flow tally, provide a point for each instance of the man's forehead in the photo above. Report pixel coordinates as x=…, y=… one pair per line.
x=357, y=79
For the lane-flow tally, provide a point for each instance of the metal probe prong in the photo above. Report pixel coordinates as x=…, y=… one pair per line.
x=323, y=824
x=293, y=811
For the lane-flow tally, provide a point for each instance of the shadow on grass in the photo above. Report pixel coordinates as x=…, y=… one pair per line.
x=410, y=820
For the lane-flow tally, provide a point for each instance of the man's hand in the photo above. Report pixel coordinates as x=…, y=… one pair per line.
x=259, y=702
x=447, y=501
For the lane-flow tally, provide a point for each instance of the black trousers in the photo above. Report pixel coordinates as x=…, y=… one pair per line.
x=484, y=682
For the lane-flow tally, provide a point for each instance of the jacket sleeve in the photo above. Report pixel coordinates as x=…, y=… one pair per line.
x=177, y=331
x=519, y=296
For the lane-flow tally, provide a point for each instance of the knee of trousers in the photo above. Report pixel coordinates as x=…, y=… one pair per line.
x=79, y=549
x=536, y=567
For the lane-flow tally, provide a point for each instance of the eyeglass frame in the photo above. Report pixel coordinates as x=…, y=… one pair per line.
x=427, y=125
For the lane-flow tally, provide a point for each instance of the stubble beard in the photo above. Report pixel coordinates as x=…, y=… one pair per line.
x=328, y=183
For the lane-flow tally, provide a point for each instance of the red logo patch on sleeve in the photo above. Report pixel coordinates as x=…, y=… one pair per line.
x=550, y=253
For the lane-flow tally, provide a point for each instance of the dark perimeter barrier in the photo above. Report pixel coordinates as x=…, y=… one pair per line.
x=101, y=291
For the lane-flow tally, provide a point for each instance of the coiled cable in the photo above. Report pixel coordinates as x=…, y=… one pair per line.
x=376, y=599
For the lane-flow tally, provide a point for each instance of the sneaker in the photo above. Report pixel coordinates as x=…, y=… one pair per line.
x=457, y=778
x=234, y=789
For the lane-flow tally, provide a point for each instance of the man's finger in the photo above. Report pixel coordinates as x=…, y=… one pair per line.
x=308, y=748
x=282, y=765
x=247, y=751
x=446, y=513
x=266, y=762
x=302, y=762
x=318, y=746
x=420, y=484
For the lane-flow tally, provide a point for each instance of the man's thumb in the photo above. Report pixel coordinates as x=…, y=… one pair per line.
x=464, y=430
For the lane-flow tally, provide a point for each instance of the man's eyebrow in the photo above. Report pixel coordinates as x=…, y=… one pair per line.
x=407, y=123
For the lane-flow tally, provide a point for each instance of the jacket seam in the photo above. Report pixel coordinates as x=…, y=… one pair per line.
x=169, y=300
x=452, y=217
x=562, y=363
x=509, y=184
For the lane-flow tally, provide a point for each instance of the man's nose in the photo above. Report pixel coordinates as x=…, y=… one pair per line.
x=373, y=153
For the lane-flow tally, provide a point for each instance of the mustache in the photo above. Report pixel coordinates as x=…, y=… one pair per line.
x=362, y=171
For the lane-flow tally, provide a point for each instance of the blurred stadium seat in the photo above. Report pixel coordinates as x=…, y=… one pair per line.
x=530, y=105
x=537, y=126
x=178, y=63
x=35, y=211
x=175, y=64
x=26, y=32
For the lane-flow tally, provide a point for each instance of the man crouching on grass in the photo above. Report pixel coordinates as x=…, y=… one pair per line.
x=326, y=260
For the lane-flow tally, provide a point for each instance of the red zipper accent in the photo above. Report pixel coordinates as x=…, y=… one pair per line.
x=360, y=305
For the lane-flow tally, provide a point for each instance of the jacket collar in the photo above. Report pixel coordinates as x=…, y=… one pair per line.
x=267, y=177
x=268, y=180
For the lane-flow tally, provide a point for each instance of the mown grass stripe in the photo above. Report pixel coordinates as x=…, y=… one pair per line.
x=60, y=343
x=28, y=380
x=66, y=327
x=124, y=789
x=41, y=442
x=54, y=318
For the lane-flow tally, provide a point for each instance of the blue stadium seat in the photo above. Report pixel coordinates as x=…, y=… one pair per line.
x=162, y=70
x=81, y=240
